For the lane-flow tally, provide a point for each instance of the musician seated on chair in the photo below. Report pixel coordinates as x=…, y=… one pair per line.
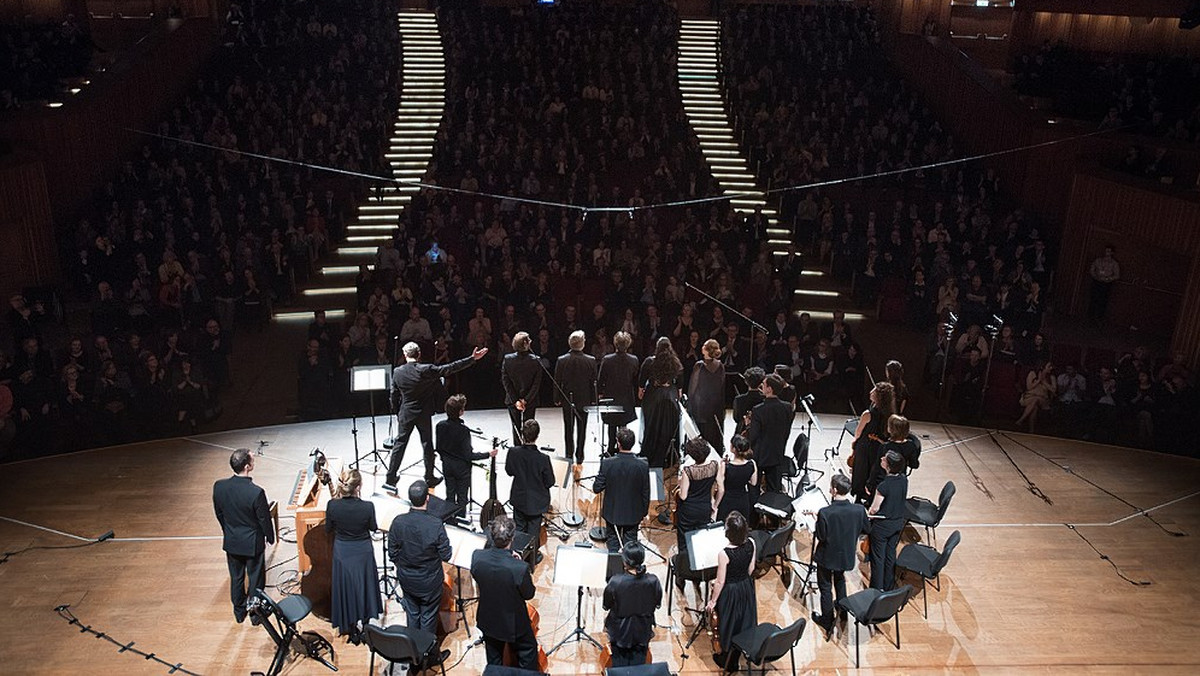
x=418, y=545
x=505, y=584
x=625, y=481
x=838, y=527
x=532, y=479
x=631, y=598
x=454, y=445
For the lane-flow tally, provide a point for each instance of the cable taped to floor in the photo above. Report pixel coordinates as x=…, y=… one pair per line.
x=64, y=611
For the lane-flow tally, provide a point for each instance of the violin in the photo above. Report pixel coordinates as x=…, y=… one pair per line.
x=510, y=655
x=714, y=630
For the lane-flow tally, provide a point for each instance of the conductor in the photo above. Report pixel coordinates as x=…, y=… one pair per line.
x=625, y=481
x=839, y=525
x=454, y=445
x=505, y=584
x=521, y=376
x=413, y=387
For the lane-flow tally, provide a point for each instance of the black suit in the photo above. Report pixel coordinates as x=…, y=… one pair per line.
x=521, y=375
x=576, y=375
x=504, y=584
x=625, y=481
x=417, y=544
x=454, y=445
x=631, y=601
x=532, y=479
x=838, y=526
x=770, y=425
x=618, y=380
x=414, y=392
x=743, y=404
x=245, y=519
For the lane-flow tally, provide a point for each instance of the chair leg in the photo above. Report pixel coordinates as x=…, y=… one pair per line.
x=897, y=620
x=856, y=643
x=371, y=665
x=925, y=595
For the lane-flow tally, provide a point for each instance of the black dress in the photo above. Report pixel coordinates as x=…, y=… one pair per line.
x=354, y=594
x=737, y=606
x=739, y=496
x=696, y=511
x=866, y=454
x=660, y=423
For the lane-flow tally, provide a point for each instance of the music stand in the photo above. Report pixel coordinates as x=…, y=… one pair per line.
x=371, y=378
x=703, y=546
x=805, y=506
x=463, y=545
x=580, y=567
x=387, y=508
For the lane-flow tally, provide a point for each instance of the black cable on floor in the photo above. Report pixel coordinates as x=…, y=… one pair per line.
x=958, y=444
x=1104, y=557
x=64, y=611
x=1093, y=484
x=1028, y=482
x=9, y=555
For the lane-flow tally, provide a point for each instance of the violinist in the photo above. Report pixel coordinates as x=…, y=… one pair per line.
x=733, y=594
x=869, y=437
x=505, y=584
x=417, y=544
x=454, y=445
x=631, y=598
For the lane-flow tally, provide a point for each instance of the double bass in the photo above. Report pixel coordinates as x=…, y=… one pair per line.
x=510, y=655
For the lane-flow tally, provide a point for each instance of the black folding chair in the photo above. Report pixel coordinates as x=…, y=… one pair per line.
x=922, y=511
x=928, y=563
x=401, y=645
x=771, y=548
x=871, y=607
x=280, y=620
x=768, y=642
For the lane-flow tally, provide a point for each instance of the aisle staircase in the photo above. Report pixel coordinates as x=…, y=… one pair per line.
x=707, y=111
x=422, y=101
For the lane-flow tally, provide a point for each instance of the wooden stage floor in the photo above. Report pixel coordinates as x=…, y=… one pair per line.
x=1024, y=592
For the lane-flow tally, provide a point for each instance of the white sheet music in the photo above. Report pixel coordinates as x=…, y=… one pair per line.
x=704, y=545
x=808, y=501
x=463, y=545
x=581, y=567
x=387, y=508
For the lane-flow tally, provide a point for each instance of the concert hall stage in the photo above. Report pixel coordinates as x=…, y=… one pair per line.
x=1090, y=576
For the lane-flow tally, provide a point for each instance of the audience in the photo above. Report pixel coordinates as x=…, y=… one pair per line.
x=35, y=58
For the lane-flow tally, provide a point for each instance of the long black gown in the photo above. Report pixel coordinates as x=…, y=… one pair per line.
x=660, y=423
x=737, y=606
x=866, y=454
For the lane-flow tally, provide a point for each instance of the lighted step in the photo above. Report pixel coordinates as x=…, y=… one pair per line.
x=306, y=315
x=817, y=292
x=363, y=239
x=342, y=269
x=356, y=250
x=330, y=291
x=371, y=228
x=381, y=216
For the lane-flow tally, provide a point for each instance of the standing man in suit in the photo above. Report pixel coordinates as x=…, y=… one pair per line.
x=839, y=525
x=454, y=445
x=625, y=481
x=618, y=380
x=745, y=402
x=418, y=545
x=245, y=520
x=576, y=376
x=532, y=479
x=770, y=425
x=522, y=378
x=505, y=584
x=413, y=388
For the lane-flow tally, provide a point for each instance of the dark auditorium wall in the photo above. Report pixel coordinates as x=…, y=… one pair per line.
x=41, y=10
x=82, y=144
x=1157, y=238
x=26, y=232
x=1108, y=26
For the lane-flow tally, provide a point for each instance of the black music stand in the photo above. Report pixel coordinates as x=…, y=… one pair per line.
x=370, y=379
x=580, y=567
x=703, y=546
x=805, y=508
x=387, y=508
x=812, y=421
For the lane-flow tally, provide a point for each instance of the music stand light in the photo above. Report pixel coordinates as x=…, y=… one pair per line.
x=370, y=378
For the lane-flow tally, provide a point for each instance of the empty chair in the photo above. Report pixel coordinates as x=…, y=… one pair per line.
x=652, y=669
x=399, y=644
x=771, y=548
x=280, y=620
x=928, y=563
x=769, y=642
x=924, y=512
x=871, y=607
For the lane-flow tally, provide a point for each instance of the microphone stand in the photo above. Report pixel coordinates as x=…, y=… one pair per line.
x=753, y=324
x=390, y=440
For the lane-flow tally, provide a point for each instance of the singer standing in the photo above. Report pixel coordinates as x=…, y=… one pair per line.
x=706, y=395
x=454, y=445
x=770, y=425
x=576, y=376
x=839, y=525
x=245, y=519
x=417, y=544
x=618, y=380
x=414, y=386
x=521, y=376
x=532, y=478
x=625, y=481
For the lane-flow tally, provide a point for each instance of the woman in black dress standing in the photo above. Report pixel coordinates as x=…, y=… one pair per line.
x=869, y=437
x=701, y=486
x=887, y=514
x=733, y=594
x=741, y=479
x=660, y=405
x=355, y=590
x=706, y=395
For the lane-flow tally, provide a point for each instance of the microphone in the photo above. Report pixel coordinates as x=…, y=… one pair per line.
x=106, y=536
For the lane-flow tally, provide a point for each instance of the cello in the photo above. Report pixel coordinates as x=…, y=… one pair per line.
x=510, y=655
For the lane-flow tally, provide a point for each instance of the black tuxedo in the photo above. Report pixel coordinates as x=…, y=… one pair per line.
x=417, y=544
x=625, y=481
x=838, y=526
x=631, y=601
x=241, y=509
x=521, y=376
x=504, y=584
x=618, y=380
x=576, y=375
x=743, y=404
x=770, y=425
x=532, y=479
x=415, y=387
x=454, y=445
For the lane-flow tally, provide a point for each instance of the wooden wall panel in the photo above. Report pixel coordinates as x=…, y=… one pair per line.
x=30, y=256
x=1103, y=33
